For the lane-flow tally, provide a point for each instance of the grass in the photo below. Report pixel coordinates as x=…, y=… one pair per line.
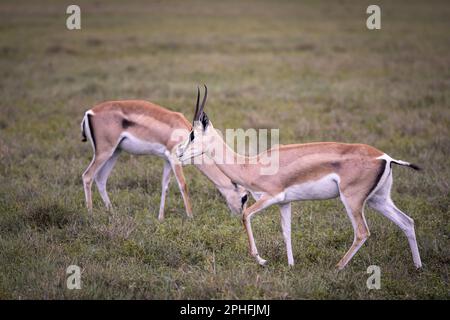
x=311, y=69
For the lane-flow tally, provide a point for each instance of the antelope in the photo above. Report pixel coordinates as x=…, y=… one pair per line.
x=143, y=128
x=357, y=173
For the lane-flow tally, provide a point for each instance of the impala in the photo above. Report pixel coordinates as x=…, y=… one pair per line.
x=142, y=128
x=356, y=173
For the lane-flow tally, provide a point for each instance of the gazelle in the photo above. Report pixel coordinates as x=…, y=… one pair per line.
x=140, y=127
x=356, y=173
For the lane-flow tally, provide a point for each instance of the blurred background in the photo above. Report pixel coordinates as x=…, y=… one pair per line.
x=310, y=68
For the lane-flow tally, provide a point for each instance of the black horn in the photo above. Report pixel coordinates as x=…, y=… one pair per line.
x=204, y=101
x=196, y=115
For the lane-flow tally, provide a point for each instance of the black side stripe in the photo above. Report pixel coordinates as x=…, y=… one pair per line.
x=120, y=142
x=127, y=123
x=91, y=129
x=379, y=175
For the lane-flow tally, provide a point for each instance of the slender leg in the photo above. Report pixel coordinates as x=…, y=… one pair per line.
x=381, y=201
x=87, y=185
x=167, y=170
x=102, y=177
x=403, y=221
x=285, y=210
x=264, y=202
x=89, y=175
x=178, y=171
x=354, y=208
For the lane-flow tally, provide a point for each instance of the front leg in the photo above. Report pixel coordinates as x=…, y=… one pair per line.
x=285, y=210
x=178, y=171
x=264, y=202
x=167, y=172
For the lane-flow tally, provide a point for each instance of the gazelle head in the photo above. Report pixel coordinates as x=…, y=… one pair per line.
x=202, y=138
x=236, y=199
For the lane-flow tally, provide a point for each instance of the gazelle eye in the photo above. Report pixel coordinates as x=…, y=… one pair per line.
x=191, y=136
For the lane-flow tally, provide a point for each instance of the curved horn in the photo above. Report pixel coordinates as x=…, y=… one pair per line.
x=204, y=100
x=196, y=114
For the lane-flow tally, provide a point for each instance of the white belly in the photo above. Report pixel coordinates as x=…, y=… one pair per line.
x=135, y=145
x=324, y=188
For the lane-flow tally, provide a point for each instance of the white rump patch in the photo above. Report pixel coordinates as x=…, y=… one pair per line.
x=385, y=157
x=87, y=129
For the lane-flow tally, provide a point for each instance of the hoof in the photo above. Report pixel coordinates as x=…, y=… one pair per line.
x=340, y=267
x=261, y=261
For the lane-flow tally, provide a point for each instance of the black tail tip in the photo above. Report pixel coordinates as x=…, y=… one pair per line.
x=415, y=167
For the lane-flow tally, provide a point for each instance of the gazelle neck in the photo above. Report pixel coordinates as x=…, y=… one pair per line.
x=235, y=166
x=213, y=173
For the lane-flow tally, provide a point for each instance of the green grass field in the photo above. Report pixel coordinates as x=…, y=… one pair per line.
x=311, y=69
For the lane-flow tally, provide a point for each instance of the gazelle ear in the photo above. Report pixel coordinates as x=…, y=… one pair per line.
x=204, y=120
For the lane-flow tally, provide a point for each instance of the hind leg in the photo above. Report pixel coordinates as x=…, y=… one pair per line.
x=381, y=201
x=354, y=206
x=89, y=175
x=102, y=177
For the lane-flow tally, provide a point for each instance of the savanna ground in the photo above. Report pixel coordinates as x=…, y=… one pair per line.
x=310, y=68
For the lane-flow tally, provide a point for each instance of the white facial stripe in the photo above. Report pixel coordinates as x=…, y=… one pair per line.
x=191, y=148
